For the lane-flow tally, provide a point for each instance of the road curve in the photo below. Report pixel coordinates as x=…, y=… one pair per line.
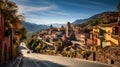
x=40, y=60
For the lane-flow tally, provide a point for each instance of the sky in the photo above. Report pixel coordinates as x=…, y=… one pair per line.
x=61, y=11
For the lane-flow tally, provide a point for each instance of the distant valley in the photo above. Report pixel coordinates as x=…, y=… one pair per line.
x=31, y=27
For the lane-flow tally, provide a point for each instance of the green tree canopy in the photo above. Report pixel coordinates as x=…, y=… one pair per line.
x=9, y=11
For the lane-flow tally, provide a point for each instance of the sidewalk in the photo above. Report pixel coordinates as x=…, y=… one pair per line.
x=15, y=63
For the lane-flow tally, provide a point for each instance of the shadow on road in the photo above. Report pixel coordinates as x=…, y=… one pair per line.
x=28, y=62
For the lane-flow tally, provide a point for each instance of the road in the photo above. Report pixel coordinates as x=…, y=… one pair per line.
x=40, y=60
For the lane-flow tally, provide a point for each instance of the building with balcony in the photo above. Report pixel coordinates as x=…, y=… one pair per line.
x=105, y=35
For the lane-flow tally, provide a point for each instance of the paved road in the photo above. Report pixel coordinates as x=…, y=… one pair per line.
x=40, y=60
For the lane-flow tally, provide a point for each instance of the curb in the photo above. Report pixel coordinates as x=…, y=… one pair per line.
x=19, y=61
x=15, y=63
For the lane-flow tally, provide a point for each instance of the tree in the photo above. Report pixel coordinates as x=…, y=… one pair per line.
x=9, y=10
x=58, y=45
x=23, y=31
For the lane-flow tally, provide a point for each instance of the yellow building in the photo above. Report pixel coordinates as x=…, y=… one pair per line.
x=104, y=35
x=110, y=34
x=95, y=34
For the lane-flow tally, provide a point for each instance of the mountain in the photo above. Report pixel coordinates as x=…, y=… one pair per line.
x=102, y=18
x=31, y=27
x=79, y=21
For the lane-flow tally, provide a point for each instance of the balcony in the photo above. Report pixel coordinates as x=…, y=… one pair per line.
x=115, y=36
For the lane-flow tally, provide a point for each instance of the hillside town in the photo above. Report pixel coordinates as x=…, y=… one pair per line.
x=92, y=43
x=101, y=44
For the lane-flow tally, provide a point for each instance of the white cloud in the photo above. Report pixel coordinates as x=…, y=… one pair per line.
x=78, y=5
x=26, y=9
x=46, y=20
x=59, y=13
x=40, y=14
x=26, y=6
x=96, y=3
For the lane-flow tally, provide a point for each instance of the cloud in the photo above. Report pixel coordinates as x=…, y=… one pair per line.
x=28, y=6
x=78, y=5
x=44, y=21
x=59, y=13
x=26, y=9
x=20, y=1
x=96, y=3
x=86, y=4
x=48, y=11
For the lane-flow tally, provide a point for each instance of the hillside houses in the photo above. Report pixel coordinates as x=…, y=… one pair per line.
x=101, y=36
x=69, y=33
x=105, y=35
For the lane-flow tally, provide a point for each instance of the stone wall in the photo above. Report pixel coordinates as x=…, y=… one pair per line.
x=109, y=55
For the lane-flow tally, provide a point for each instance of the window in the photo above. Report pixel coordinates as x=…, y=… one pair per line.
x=115, y=31
x=109, y=32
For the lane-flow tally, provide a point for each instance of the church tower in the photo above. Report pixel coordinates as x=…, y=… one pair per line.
x=68, y=29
